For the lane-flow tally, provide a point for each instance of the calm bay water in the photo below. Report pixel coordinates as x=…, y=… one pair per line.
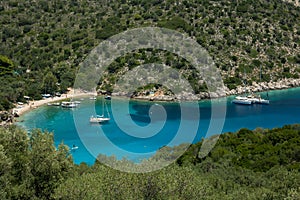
x=110, y=139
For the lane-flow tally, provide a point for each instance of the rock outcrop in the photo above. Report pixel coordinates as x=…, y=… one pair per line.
x=6, y=118
x=162, y=95
x=264, y=86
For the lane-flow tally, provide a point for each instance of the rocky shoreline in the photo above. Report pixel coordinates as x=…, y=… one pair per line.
x=158, y=95
x=265, y=86
x=8, y=117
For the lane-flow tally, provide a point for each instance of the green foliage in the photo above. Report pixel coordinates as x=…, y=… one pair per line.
x=175, y=23
x=43, y=36
x=232, y=82
x=50, y=83
x=105, y=183
x=6, y=65
x=43, y=42
x=31, y=167
x=260, y=151
x=244, y=165
x=48, y=166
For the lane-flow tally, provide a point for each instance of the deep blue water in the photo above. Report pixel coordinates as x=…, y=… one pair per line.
x=139, y=128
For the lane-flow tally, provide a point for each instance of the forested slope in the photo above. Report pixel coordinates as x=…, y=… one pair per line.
x=258, y=164
x=46, y=40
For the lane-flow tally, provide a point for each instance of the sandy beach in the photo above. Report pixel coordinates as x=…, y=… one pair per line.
x=21, y=109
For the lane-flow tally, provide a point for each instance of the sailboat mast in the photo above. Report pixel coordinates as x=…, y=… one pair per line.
x=102, y=107
x=106, y=107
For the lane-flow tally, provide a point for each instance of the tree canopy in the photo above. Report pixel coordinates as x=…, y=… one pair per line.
x=241, y=36
x=248, y=164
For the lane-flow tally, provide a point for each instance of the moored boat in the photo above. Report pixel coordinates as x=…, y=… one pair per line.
x=99, y=119
x=263, y=101
x=74, y=147
x=68, y=104
x=54, y=104
x=108, y=97
x=249, y=100
x=46, y=96
x=257, y=99
x=242, y=100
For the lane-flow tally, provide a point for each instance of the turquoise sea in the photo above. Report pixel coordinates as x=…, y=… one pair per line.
x=138, y=129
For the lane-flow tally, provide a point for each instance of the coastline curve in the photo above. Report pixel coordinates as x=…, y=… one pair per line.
x=172, y=41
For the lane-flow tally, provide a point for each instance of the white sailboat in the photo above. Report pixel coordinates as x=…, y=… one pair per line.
x=101, y=118
x=257, y=98
x=251, y=99
x=243, y=100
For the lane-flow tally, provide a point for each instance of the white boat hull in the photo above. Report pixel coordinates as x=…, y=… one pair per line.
x=99, y=119
x=68, y=104
x=243, y=102
x=263, y=101
x=250, y=100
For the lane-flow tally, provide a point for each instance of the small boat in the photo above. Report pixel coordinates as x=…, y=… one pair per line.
x=46, y=95
x=58, y=94
x=74, y=147
x=250, y=99
x=93, y=98
x=242, y=100
x=54, y=104
x=263, y=101
x=99, y=119
x=257, y=99
x=68, y=104
x=108, y=97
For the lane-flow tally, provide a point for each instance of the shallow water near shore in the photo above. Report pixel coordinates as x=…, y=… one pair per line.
x=109, y=138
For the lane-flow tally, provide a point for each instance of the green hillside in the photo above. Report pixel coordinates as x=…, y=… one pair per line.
x=258, y=164
x=53, y=37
